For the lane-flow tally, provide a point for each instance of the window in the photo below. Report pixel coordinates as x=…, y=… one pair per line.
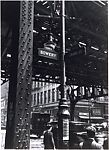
x=58, y=93
x=37, y=98
x=34, y=99
x=48, y=96
x=38, y=85
x=53, y=95
x=34, y=84
x=41, y=84
x=45, y=96
x=41, y=97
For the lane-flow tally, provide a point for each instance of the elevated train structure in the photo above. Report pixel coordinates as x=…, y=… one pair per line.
x=31, y=44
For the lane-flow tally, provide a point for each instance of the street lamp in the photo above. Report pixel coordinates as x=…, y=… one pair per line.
x=63, y=112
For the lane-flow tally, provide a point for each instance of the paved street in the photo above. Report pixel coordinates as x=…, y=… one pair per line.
x=35, y=143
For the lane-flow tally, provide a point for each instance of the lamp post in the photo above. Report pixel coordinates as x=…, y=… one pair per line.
x=63, y=113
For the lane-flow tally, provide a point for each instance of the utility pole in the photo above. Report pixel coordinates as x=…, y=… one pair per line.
x=63, y=112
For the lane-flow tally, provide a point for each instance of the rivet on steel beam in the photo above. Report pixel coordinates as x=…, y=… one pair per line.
x=29, y=65
x=23, y=50
x=27, y=114
x=25, y=108
x=19, y=103
x=28, y=52
x=21, y=98
x=21, y=46
x=22, y=78
x=18, y=124
x=16, y=147
x=19, y=141
x=28, y=43
x=28, y=103
x=23, y=3
x=20, y=64
x=17, y=135
x=19, y=82
x=29, y=39
x=27, y=124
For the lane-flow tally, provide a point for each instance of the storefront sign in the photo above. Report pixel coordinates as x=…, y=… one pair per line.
x=65, y=129
x=48, y=54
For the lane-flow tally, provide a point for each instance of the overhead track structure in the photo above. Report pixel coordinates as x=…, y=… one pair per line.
x=86, y=54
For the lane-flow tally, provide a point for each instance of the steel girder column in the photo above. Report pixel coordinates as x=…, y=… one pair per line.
x=19, y=101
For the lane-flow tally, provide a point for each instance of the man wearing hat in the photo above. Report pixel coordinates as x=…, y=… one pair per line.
x=48, y=138
x=90, y=142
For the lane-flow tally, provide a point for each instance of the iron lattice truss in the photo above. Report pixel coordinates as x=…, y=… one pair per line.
x=86, y=34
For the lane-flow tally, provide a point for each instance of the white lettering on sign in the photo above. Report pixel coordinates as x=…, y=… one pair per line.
x=47, y=54
x=65, y=129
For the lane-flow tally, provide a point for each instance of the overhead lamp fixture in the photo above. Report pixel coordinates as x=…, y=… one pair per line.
x=50, y=45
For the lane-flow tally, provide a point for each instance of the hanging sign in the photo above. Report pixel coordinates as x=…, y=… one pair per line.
x=47, y=53
x=65, y=129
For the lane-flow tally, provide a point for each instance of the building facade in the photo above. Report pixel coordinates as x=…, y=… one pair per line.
x=4, y=101
x=45, y=99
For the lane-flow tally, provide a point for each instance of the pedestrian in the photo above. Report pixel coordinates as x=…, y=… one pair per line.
x=90, y=142
x=48, y=138
x=55, y=133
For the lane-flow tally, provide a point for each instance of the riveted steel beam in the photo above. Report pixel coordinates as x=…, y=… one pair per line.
x=19, y=106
